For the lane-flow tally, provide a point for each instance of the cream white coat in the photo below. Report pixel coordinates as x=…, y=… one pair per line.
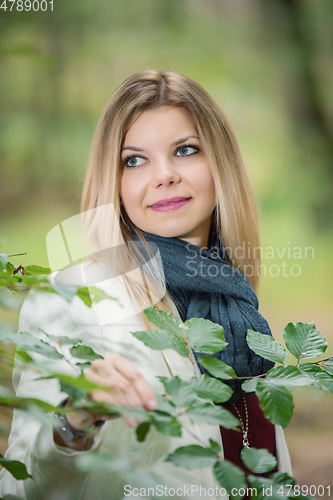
x=106, y=327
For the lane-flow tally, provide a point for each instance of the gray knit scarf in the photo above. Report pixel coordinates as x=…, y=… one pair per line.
x=204, y=285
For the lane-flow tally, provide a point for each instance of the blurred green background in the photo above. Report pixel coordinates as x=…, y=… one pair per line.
x=269, y=66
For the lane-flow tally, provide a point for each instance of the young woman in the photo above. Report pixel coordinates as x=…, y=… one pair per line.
x=166, y=162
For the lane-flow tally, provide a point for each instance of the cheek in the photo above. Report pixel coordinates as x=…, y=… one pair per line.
x=130, y=192
x=205, y=182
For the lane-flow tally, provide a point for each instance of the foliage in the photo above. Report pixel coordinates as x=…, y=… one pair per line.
x=197, y=398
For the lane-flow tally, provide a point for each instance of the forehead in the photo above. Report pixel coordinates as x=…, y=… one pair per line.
x=166, y=121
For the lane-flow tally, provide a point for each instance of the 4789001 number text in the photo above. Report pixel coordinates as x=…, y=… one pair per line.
x=27, y=5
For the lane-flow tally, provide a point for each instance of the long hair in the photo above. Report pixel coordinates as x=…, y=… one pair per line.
x=235, y=219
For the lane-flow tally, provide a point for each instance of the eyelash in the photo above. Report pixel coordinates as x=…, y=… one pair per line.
x=128, y=158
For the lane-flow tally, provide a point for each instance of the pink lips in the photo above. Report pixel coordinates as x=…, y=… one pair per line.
x=169, y=204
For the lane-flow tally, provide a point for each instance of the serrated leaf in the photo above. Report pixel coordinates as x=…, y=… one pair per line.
x=275, y=401
x=288, y=376
x=164, y=404
x=63, y=340
x=213, y=415
x=79, y=382
x=327, y=365
x=230, y=477
x=179, y=390
x=142, y=431
x=192, y=457
x=162, y=319
x=250, y=385
x=205, y=336
x=266, y=346
x=210, y=388
x=30, y=343
x=258, y=460
x=37, y=270
x=303, y=340
x=217, y=368
x=282, y=478
x=319, y=377
x=169, y=428
x=17, y=469
x=162, y=339
x=84, y=352
x=266, y=488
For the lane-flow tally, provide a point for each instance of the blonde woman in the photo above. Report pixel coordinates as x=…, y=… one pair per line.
x=166, y=160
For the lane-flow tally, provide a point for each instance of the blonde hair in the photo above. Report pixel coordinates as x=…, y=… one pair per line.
x=235, y=218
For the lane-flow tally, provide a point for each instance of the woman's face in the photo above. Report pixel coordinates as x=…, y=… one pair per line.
x=166, y=185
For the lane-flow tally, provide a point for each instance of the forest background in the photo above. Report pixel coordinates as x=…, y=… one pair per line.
x=269, y=66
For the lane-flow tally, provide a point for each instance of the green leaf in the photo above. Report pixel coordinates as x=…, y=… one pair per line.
x=84, y=352
x=319, y=377
x=230, y=477
x=213, y=415
x=282, y=478
x=3, y=261
x=266, y=488
x=250, y=385
x=34, y=270
x=215, y=446
x=327, y=365
x=205, y=336
x=217, y=368
x=179, y=390
x=163, y=320
x=275, y=401
x=303, y=340
x=162, y=339
x=63, y=340
x=169, y=428
x=288, y=376
x=17, y=469
x=210, y=388
x=142, y=431
x=184, y=392
x=192, y=457
x=79, y=382
x=266, y=346
x=258, y=460
x=30, y=343
x=91, y=295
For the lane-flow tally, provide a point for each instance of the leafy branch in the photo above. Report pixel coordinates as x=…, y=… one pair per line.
x=197, y=398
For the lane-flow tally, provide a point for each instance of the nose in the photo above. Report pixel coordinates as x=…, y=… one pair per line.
x=165, y=173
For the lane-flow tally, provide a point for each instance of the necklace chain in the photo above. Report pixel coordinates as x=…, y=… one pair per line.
x=245, y=427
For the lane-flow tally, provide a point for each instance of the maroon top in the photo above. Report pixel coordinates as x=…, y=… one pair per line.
x=261, y=432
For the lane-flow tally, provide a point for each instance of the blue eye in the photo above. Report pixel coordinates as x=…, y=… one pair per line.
x=187, y=151
x=133, y=161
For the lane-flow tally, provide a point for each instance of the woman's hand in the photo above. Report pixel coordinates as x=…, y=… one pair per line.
x=127, y=387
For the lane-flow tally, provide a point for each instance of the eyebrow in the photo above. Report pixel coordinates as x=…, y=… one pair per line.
x=177, y=143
